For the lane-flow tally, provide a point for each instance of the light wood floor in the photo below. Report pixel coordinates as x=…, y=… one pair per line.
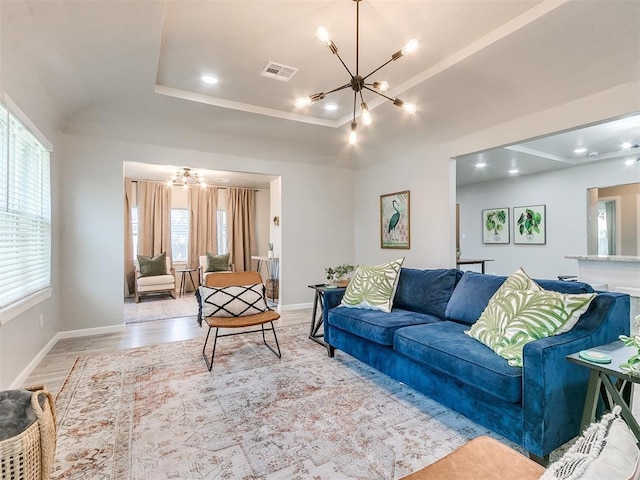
x=55, y=366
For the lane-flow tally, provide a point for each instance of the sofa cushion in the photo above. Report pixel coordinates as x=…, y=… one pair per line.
x=375, y=326
x=426, y=291
x=373, y=288
x=520, y=312
x=474, y=290
x=471, y=296
x=445, y=347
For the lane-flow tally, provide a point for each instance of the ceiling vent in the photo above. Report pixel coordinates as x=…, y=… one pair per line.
x=278, y=71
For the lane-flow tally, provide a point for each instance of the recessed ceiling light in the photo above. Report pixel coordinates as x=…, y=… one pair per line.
x=513, y=171
x=630, y=161
x=580, y=150
x=593, y=154
x=332, y=107
x=626, y=145
x=481, y=164
x=210, y=79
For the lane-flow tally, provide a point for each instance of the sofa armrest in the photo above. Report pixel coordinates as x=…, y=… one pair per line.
x=331, y=299
x=553, y=388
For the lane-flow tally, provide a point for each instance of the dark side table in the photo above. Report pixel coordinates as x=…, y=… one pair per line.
x=186, y=272
x=602, y=386
x=317, y=319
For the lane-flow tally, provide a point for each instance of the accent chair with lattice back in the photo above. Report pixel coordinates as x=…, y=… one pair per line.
x=235, y=300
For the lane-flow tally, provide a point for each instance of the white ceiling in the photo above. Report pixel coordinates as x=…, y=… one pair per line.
x=603, y=142
x=130, y=70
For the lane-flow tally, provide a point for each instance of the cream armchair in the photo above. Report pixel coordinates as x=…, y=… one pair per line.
x=202, y=267
x=153, y=284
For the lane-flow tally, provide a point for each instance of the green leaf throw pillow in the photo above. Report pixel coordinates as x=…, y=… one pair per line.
x=217, y=263
x=521, y=312
x=153, y=266
x=373, y=288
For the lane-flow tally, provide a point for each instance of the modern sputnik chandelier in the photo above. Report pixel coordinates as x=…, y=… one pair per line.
x=358, y=83
x=185, y=177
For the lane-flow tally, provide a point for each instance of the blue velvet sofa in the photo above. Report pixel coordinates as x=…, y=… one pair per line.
x=422, y=343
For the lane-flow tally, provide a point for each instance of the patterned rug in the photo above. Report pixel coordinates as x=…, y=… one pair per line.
x=157, y=413
x=159, y=308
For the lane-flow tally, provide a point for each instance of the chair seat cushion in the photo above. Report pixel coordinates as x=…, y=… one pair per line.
x=156, y=280
x=376, y=326
x=445, y=347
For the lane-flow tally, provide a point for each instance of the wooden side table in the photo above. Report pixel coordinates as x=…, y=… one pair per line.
x=184, y=272
x=317, y=319
x=601, y=384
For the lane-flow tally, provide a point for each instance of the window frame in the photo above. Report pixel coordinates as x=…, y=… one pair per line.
x=32, y=298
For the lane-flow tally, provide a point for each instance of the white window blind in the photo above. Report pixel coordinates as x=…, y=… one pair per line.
x=25, y=212
x=179, y=234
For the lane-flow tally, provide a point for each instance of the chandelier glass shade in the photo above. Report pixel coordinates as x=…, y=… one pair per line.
x=357, y=82
x=185, y=177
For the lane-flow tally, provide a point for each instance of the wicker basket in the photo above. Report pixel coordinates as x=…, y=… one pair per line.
x=29, y=455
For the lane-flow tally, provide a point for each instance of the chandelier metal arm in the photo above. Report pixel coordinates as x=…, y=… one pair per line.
x=343, y=64
x=355, y=101
x=341, y=87
x=380, y=67
x=378, y=93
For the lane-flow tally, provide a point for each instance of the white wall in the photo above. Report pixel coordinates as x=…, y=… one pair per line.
x=426, y=174
x=312, y=198
x=564, y=192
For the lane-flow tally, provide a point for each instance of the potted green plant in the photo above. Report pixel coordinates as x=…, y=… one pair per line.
x=339, y=275
x=632, y=365
x=495, y=223
x=528, y=223
x=270, y=250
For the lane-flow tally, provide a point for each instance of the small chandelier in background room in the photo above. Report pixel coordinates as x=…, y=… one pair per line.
x=357, y=82
x=185, y=177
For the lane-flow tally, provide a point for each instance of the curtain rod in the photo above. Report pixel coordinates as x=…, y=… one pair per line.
x=222, y=188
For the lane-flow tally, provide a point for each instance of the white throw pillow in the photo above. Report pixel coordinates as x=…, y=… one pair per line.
x=606, y=450
x=373, y=288
x=236, y=301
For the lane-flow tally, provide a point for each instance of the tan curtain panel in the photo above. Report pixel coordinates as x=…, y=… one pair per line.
x=154, y=218
x=240, y=226
x=203, y=222
x=129, y=270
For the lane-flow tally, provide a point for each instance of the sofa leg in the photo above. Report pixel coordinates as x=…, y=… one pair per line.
x=544, y=461
x=331, y=351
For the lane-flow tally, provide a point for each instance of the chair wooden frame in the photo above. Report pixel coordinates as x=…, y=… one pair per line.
x=228, y=280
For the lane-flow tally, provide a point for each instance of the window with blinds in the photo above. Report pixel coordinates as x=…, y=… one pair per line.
x=25, y=212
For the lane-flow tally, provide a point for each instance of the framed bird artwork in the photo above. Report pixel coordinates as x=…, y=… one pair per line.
x=395, y=224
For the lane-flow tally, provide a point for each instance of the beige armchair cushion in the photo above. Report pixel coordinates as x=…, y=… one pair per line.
x=203, y=267
x=155, y=283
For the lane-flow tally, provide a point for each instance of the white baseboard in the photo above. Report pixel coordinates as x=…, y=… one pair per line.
x=85, y=332
x=295, y=306
x=22, y=377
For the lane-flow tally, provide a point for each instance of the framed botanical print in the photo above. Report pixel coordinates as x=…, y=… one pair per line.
x=529, y=226
x=395, y=224
x=495, y=225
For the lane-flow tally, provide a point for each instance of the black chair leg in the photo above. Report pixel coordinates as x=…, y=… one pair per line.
x=264, y=340
x=213, y=353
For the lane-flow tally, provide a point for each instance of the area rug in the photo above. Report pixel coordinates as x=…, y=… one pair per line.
x=151, y=308
x=157, y=413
